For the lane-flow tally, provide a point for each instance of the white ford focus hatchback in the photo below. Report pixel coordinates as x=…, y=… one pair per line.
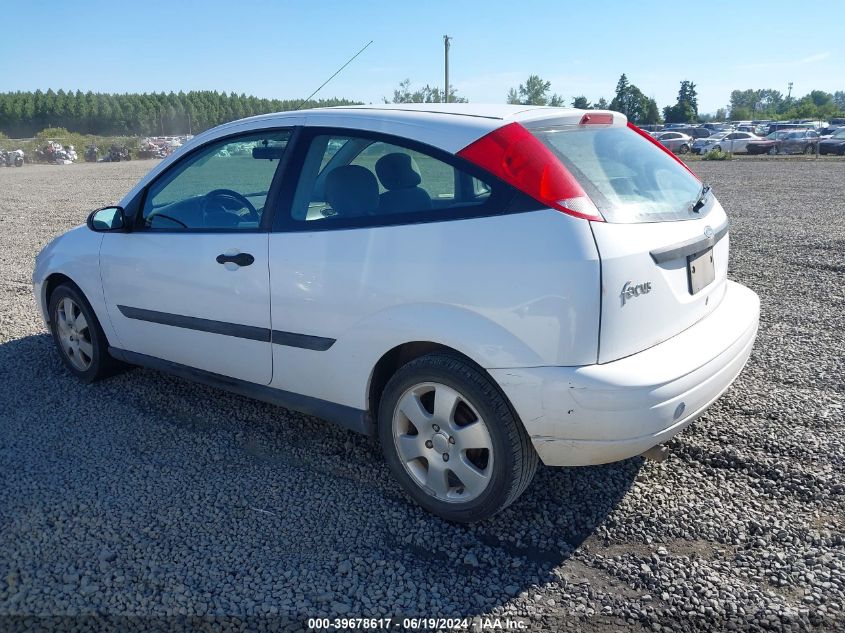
x=480, y=286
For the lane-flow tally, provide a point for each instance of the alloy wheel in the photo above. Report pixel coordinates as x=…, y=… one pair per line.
x=74, y=334
x=442, y=442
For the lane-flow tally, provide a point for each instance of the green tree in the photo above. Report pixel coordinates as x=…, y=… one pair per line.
x=535, y=91
x=652, y=113
x=630, y=101
x=686, y=108
x=426, y=94
x=601, y=104
x=581, y=103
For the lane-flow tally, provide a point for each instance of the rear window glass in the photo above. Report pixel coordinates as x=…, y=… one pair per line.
x=628, y=178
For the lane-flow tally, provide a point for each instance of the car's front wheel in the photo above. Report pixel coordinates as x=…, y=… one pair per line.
x=78, y=336
x=773, y=151
x=451, y=439
x=809, y=149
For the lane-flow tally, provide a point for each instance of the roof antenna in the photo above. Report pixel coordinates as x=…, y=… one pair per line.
x=337, y=72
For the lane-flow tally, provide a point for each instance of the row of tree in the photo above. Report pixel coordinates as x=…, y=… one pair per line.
x=23, y=114
x=744, y=104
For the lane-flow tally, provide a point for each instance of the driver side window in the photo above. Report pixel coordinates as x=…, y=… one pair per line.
x=224, y=185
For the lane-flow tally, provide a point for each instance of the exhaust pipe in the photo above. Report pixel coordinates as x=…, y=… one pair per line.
x=657, y=453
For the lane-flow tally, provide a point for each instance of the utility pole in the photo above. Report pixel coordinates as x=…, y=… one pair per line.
x=789, y=92
x=446, y=40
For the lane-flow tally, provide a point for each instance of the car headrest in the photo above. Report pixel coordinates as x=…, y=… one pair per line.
x=352, y=190
x=397, y=171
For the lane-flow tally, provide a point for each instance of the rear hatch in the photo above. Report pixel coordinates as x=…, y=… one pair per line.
x=663, y=244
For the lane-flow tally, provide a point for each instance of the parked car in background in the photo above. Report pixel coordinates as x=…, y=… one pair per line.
x=788, y=141
x=835, y=144
x=693, y=131
x=482, y=287
x=675, y=141
x=733, y=142
x=800, y=142
x=788, y=125
x=700, y=143
x=769, y=145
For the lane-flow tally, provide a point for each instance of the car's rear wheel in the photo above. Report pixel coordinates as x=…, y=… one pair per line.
x=78, y=336
x=684, y=149
x=451, y=439
x=773, y=151
x=809, y=149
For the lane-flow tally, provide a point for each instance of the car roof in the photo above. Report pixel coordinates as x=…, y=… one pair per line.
x=448, y=126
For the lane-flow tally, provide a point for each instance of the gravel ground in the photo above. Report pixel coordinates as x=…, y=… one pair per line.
x=126, y=498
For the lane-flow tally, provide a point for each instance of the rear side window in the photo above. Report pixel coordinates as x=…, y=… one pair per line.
x=628, y=178
x=350, y=180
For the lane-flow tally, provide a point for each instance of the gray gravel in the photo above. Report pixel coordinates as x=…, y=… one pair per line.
x=146, y=495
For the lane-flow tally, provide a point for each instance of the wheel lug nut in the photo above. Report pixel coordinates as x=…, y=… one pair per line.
x=451, y=440
x=435, y=427
x=445, y=457
x=429, y=444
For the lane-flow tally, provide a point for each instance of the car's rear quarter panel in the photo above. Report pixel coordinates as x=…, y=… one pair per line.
x=517, y=290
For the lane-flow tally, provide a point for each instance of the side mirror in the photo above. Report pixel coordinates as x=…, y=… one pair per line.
x=107, y=219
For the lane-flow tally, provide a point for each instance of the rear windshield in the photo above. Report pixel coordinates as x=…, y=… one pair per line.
x=628, y=178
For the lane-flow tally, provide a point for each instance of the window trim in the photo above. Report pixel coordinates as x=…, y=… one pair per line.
x=271, y=205
x=503, y=200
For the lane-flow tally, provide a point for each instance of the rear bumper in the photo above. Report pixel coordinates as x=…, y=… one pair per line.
x=597, y=414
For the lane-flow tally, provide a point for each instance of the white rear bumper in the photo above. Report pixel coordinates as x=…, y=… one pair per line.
x=596, y=414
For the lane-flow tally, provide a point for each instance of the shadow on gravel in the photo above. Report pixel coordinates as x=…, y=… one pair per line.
x=149, y=495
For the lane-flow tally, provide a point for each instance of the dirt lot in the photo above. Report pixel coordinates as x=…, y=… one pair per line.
x=145, y=496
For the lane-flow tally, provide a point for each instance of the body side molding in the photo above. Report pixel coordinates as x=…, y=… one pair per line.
x=251, y=332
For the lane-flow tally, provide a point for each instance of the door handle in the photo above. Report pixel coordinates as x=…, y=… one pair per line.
x=241, y=259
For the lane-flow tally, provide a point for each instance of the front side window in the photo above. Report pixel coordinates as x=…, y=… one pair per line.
x=222, y=186
x=349, y=178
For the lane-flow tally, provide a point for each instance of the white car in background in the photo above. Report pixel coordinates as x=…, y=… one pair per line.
x=482, y=287
x=733, y=142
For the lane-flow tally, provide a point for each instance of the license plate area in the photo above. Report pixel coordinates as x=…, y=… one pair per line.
x=701, y=271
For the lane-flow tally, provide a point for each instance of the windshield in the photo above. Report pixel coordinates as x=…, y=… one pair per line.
x=839, y=133
x=628, y=178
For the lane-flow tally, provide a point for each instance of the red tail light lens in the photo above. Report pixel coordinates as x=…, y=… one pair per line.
x=650, y=138
x=513, y=154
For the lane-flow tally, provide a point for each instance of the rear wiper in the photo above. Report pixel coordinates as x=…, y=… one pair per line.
x=699, y=202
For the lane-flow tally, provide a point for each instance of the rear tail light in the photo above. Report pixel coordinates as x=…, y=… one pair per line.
x=513, y=154
x=651, y=139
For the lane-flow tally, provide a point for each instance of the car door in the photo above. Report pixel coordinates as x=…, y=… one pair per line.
x=190, y=283
x=741, y=141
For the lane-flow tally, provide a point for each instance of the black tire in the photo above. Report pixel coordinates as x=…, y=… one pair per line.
x=718, y=148
x=101, y=364
x=514, y=460
x=809, y=150
x=18, y=162
x=684, y=149
x=772, y=151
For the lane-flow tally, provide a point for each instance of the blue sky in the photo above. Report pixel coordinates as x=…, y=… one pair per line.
x=286, y=49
